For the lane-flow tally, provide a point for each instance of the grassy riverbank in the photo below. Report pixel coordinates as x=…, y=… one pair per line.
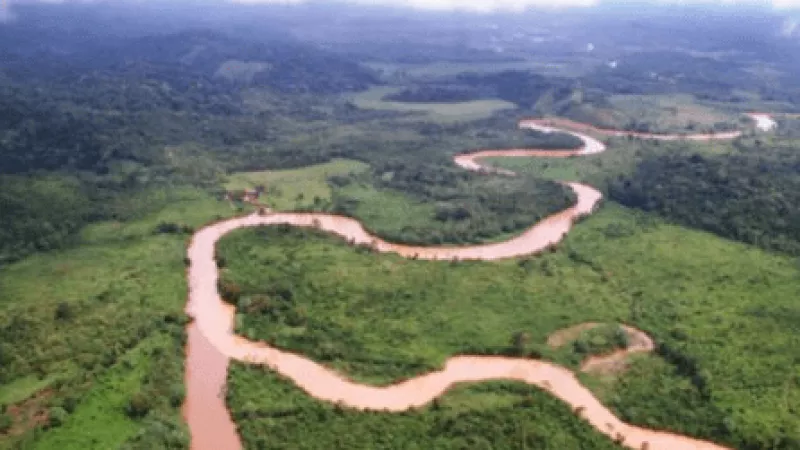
x=705, y=300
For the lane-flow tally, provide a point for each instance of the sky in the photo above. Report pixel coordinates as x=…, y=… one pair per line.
x=473, y=5
x=516, y=5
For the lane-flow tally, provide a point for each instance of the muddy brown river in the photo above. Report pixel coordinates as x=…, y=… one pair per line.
x=211, y=342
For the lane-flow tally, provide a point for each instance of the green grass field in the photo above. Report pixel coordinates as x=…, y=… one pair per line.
x=671, y=112
x=385, y=209
x=295, y=188
x=441, y=112
x=721, y=310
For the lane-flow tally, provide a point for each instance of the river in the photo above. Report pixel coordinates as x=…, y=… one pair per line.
x=211, y=342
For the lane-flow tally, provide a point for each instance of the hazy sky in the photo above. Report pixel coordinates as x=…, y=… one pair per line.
x=494, y=5
x=474, y=5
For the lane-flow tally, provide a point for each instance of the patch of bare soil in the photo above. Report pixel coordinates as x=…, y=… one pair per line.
x=29, y=414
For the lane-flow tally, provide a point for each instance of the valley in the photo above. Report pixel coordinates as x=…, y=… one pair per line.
x=254, y=226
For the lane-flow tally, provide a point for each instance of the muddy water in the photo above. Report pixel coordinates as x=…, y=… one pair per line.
x=212, y=342
x=204, y=409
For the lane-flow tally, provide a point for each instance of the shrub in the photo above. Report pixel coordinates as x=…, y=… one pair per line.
x=57, y=416
x=70, y=403
x=177, y=393
x=5, y=422
x=229, y=291
x=139, y=405
x=601, y=340
x=167, y=228
x=63, y=311
x=158, y=432
x=519, y=342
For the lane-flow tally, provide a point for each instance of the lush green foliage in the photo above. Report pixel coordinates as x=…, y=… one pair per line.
x=446, y=205
x=381, y=318
x=656, y=394
x=274, y=414
x=751, y=196
x=39, y=213
x=601, y=340
x=95, y=329
x=109, y=141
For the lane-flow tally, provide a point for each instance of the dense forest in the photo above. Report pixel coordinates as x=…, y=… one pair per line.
x=751, y=196
x=87, y=128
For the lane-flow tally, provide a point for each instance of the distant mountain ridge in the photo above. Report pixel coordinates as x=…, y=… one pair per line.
x=185, y=57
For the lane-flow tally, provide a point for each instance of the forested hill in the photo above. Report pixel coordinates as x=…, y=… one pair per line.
x=182, y=59
x=284, y=65
x=93, y=119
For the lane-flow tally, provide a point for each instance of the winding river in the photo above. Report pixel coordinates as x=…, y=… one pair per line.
x=211, y=342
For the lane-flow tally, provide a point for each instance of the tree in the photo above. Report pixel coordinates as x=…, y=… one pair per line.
x=520, y=342
x=139, y=405
x=177, y=393
x=229, y=291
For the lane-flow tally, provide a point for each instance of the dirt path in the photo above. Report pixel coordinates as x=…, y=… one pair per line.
x=212, y=342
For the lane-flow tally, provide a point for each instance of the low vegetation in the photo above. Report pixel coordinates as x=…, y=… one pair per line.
x=91, y=338
x=600, y=340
